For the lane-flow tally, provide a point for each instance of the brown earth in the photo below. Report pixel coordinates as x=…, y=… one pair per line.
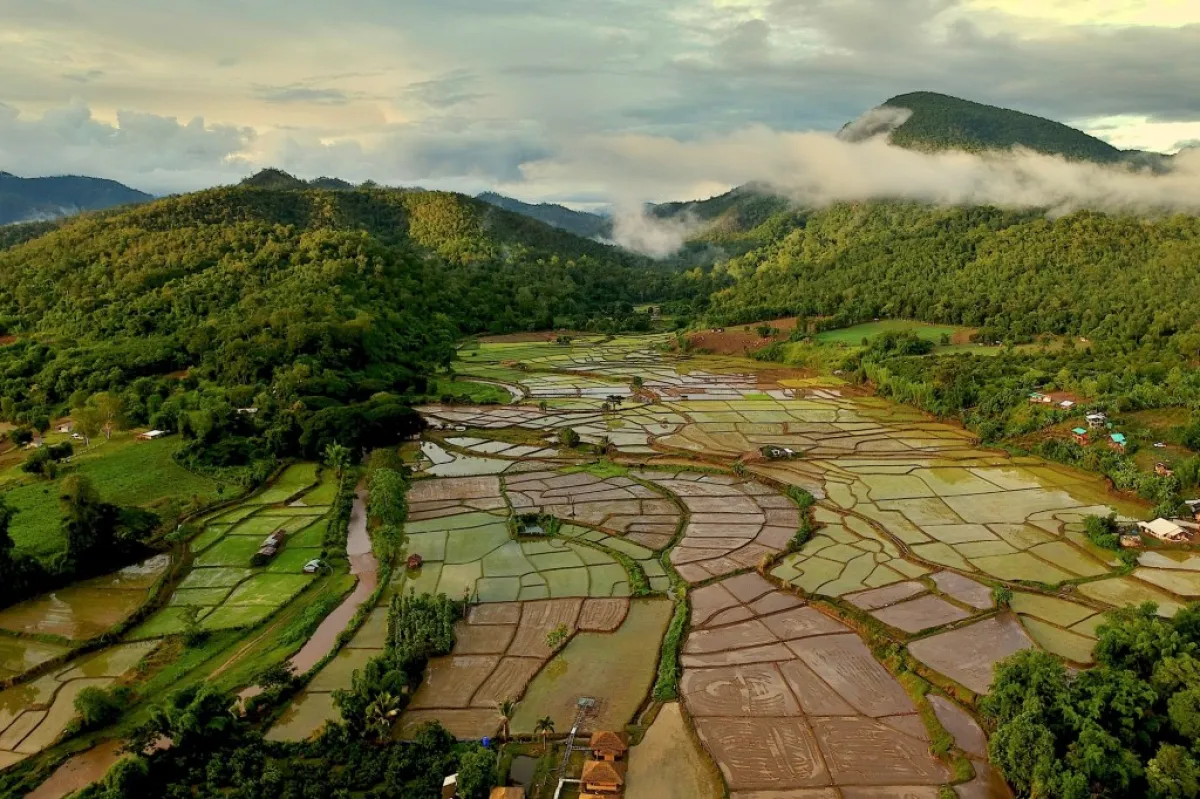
x=738, y=340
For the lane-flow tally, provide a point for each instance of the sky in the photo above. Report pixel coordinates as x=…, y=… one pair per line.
x=528, y=97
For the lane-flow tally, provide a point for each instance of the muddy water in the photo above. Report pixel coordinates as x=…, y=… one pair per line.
x=87, y=609
x=366, y=568
x=80, y=771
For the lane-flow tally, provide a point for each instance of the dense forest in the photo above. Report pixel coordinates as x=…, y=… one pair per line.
x=1129, y=727
x=1017, y=273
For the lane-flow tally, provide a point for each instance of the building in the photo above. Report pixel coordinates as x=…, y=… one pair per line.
x=66, y=427
x=608, y=746
x=1164, y=530
x=507, y=793
x=1163, y=470
x=1117, y=441
x=602, y=778
x=1097, y=420
x=150, y=435
x=1131, y=541
x=1081, y=436
x=450, y=786
x=1194, y=507
x=1037, y=398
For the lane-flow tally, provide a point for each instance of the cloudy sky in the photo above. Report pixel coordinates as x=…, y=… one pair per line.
x=515, y=94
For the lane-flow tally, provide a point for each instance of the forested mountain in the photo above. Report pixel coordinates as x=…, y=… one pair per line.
x=941, y=122
x=26, y=199
x=321, y=297
x=1088, y=273
x=580, y=223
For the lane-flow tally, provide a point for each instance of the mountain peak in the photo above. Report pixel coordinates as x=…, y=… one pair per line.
x=930, y=121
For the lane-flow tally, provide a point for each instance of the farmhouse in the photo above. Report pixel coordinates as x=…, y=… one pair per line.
x=603, y=778
x=1163, y=530
x=1096, y=420
x=1080, y=435
x=608, y=746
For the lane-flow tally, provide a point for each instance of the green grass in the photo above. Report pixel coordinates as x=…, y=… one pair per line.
x=470, y=392
x=854, y=335
x=232, y=550
x=294, y=479
x=603, y=469
x=125, y=471
x=272, y=590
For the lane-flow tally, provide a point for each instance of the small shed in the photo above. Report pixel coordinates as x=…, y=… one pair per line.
x=1038, y=398
x=1117, y=441
x=1193, y=508
x=1096, y=420
x=1163, y=470
x=1164, y=530
x=450, y=786
x=150, y=435
x=1080, y=435
x=1131, y=541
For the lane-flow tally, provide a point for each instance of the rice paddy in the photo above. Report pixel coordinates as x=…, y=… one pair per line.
x=914, y=525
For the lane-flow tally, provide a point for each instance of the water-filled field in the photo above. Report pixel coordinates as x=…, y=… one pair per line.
x=657, y=560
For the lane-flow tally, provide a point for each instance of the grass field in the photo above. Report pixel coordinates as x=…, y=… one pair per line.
x=469, y=391
x=124, y=471
x=853, y=336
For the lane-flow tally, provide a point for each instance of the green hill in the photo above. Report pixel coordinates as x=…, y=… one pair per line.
x=1015, y=272
x=332, y=294
x=941, y=122
x=28, y=199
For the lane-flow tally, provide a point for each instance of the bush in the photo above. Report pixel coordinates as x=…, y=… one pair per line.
x=1103, y=531
x=568, y=437
x=99, y=708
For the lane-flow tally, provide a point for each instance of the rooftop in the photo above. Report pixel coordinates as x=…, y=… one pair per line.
x=602, y=771
x=607, y=741
x=1118, y=438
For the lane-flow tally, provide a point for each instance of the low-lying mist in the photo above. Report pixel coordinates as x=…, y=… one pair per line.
x=817, y=169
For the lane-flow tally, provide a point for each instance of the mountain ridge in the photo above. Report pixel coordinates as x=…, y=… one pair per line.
x=581, y=223
x=45, y=198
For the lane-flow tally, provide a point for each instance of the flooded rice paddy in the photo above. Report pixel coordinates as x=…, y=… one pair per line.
x=916, y=524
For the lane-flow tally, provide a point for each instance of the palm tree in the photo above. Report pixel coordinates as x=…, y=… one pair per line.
x=380, y=714
x=506, y=710
x=544, y=727
x=337, y=457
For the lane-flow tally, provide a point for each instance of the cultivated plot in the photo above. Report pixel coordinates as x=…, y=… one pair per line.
x=734, y=522
x=786, y=698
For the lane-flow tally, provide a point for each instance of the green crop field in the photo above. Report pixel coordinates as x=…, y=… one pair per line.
x=124, y=471
x=853, y=336
x=469, y=391
x=294, y=479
